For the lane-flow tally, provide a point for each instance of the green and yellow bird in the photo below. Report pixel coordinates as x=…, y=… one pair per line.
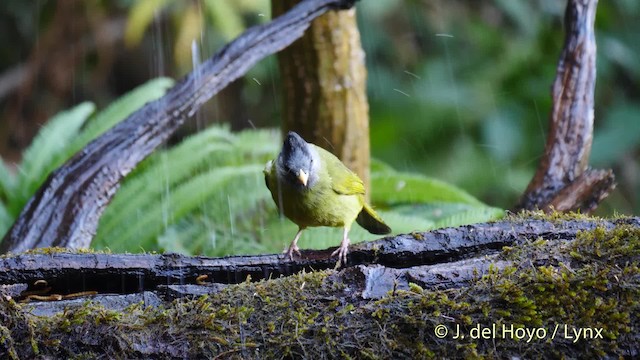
x=312, y=187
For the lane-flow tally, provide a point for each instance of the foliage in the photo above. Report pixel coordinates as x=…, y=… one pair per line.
x=469, y=83
x=207, y=196
x=459, y=90
x=225, y=18
x=58, y=140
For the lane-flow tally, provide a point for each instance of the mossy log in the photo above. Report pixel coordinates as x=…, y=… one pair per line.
x=560, y=287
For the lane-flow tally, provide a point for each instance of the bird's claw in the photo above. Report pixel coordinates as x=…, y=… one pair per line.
x=291, y=250
x=341, y=252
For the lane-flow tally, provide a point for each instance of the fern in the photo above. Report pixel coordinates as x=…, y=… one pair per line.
x=7, y=182
x=207, y=196
x=396, y=188
x=161, y=172
x=118, y=111
x=211, y=182
x=45, y=152
x=60, y=138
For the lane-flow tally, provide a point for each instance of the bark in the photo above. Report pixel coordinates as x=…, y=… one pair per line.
x=324, y=87
x=66, y=209
x=563, y=180
x=67, y=273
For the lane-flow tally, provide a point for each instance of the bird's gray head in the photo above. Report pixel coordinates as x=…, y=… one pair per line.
x=298, y=162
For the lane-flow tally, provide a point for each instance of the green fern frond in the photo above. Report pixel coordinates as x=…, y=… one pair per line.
x=391, y=188
x=450, y=214
x=162, y=171
x=207, y=196
x=119, y=110
x=151, y=220
x=7, y=182
x=46, y=152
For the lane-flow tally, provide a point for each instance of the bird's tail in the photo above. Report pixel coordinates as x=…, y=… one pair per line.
x=371, y=221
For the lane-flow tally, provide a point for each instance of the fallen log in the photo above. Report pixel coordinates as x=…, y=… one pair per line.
x=66, y=272
x=565, y=287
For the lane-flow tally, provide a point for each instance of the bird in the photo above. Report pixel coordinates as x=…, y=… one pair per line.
x=312, y=187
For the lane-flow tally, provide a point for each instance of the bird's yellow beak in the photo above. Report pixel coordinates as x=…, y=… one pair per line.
x=303, y=177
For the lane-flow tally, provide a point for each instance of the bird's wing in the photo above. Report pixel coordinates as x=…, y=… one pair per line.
x=343, y=180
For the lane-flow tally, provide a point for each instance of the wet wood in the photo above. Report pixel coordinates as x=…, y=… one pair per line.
x=324, y=87
x=67, y=273
x=65, y=210
x=568, y=144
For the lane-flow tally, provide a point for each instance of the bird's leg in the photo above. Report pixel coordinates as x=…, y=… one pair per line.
x=293, y=248
x=343, y=249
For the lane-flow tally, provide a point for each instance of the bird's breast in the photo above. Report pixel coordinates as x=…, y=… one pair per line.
x=318, y=206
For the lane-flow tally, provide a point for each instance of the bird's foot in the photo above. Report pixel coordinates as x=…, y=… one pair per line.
x=341, y=252
x=291, y=250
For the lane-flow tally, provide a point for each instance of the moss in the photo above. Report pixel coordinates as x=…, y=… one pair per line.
x=591, y=282
x=58, y=250
x=553, y=216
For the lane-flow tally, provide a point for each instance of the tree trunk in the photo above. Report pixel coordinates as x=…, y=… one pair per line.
x=324, y=87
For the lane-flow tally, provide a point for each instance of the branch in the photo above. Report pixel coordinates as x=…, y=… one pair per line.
x=66, y=209
x=570, y=135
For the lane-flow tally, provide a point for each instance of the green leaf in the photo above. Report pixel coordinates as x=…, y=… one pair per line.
x=160, y=173
x=140, y=16
x=207, y=196
x=150, y=221
x=7, y=181
x=45, y=152
x=225, y=17
x=450, y=214
x=120, y=110
x=398, y=188
x=158, y=179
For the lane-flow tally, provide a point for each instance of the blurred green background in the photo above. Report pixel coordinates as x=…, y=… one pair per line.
x=458, y=90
